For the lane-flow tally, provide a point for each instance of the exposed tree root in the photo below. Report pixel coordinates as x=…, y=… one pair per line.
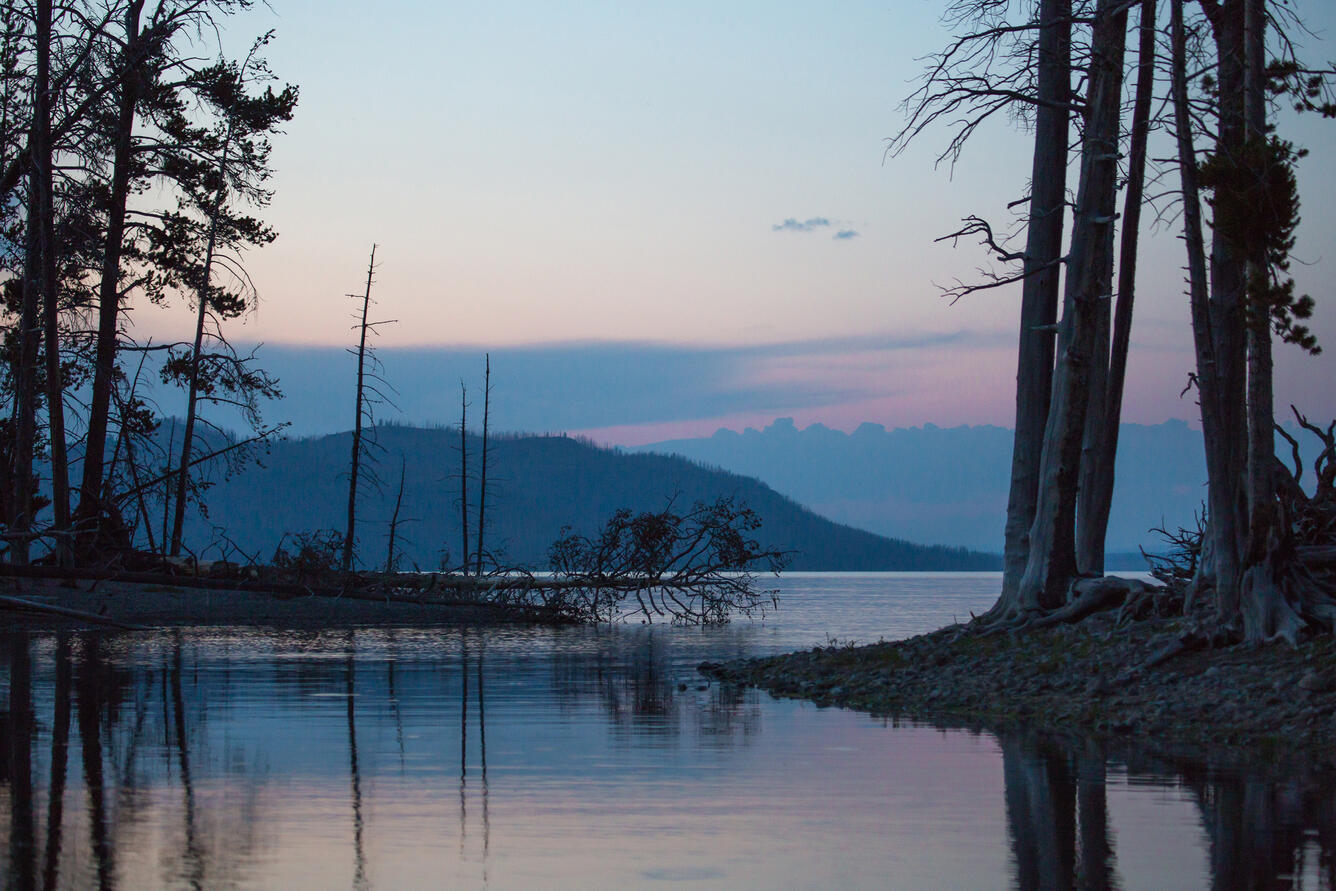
x=1088, y=596
x=1199, y=638
x=1085, y=597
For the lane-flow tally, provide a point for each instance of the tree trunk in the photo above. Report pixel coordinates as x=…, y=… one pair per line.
x=1039, y=292
x=1052, y=561
x=1221, y=569
x=394, y=518
x=464, y=475
x=1266, y=612
x=192, y=396
x=1097, y=484
x=482, y=473
x=1228, y=501
x=25, y=395
x=44, y=207
x=355, y=464
x=89, y=512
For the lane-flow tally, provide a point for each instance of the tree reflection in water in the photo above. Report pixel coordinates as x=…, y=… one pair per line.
x=1264, y=830
x=154, y=773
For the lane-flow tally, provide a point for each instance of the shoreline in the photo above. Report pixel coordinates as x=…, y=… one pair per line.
x=167, y=605
x=1275, y=702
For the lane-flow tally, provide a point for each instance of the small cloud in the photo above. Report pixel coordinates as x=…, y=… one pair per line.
x=845, y=234
x=794, y=225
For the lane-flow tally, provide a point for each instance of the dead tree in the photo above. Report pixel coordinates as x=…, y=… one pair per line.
x=42, y=216
x=364, y=327
x=694, y=567
x=1101, y=446
x=1051, y=566
x=1039, y=290
x=482, y=470
x=464, y=476
x=390, y=556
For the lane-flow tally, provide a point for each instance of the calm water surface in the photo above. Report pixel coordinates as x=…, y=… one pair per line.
x=587, y=758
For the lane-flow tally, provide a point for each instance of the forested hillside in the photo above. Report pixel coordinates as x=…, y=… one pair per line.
x=536, y=485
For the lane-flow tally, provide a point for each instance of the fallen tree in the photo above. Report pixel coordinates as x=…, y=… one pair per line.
x=694, y=567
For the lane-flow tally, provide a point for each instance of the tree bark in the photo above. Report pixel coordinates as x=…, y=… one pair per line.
x=25, y=396
x=89, y=511
x=44, y=206
x=1266, y=612
x=1039, y=292
x=1052, y=561
x=1222, y=568
x=1228, y=497
x=1097, y=481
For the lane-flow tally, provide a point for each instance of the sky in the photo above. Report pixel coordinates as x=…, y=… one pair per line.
x=670, y=218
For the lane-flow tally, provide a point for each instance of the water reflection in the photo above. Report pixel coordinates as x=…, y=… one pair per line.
x=1263, y=830
x=349, y=758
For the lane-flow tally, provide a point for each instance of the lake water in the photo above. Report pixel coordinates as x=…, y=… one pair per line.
x=588, y=758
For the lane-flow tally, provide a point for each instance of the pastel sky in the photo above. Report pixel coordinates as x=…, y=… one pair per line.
x=700, y=176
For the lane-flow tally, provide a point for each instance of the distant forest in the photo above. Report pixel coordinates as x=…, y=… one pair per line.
x=536, y=486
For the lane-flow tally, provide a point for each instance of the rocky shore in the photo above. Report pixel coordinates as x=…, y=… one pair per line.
x=1090, y=678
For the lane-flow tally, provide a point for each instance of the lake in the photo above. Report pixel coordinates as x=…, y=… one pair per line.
x=519, y=757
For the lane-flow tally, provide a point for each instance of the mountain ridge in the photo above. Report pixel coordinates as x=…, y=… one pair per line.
x=537, y=485
x=948, y=484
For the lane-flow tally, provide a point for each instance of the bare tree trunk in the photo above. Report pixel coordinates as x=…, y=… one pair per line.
x=45, y=219
x=1097, y=481
x=1261, y=414
x=166, y=481
x=355, y=463
x=464, y=473
x=394, y=519
x=1222, y=547
x=104, y=359
x=482, y=474
x=1265, y=611
x=25, y=398
x=1039, y=292
x=1229, y=517
x=1052, y=562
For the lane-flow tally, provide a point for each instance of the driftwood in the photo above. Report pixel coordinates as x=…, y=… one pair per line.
x=7, y=602
x=377, y=589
